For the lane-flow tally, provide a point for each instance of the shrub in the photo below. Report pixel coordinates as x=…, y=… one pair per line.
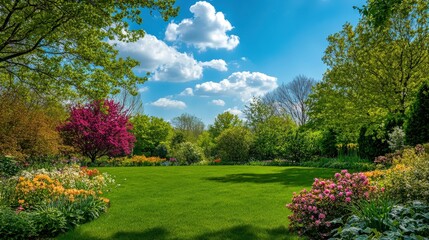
x=299, y=148
x=328, y=143
x=409, y=178
x=371, y=144
x=313, y=211
x=233, y=144
x=8, y=166
x=49, y=221
x=396, y=139
x=188, y=153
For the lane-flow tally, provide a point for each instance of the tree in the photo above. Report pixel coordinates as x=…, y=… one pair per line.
x=233, y=144
x=224, y=121
x=149, y=133
x=99, y=128
x=269, y=137
x=417, y=124
x=58, y=48
x=28, y=129
x=290, y=99
x=257, y=111
x=373, y=71
x=189, y=125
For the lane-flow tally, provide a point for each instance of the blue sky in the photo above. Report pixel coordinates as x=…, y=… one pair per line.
x=215, y=55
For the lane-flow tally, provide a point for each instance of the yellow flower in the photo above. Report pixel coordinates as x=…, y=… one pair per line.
x=21, y=201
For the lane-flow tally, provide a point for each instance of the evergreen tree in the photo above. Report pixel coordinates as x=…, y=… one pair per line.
x=417, y=125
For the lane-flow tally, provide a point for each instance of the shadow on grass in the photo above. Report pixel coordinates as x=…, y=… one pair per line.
x=290, y=176
x=239, y=232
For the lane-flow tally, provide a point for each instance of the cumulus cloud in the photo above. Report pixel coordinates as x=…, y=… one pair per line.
x=165, y=62
x=169, y=103
x=187, y=92
x=207, y=29
x=235, y=111
x=218, y=102
x=244, y=84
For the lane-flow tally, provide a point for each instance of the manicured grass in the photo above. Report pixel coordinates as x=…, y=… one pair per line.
x=199, y=202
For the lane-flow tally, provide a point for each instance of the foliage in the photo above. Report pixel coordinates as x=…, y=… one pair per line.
x=269, y=137
x=396, y=139
x=350, y=163
x=371, y=144
x=149, y=133
x=28, y=129
x=224, y=121
x=373, y=71
x=299, y=147
x=97, y=129
x=189, y=125
x=59, y=49
x=313, y=211
x=290, y=99
x=417, y=124
x=206, y=143
x=15, y=225
x=257, y=111
x=162, y=150
x=233, y=144
x=328, y=143
x=408, y=179
x=8, y=167
x=188, y=153
x=402, y=222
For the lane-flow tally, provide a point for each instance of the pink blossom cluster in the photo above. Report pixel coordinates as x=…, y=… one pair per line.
x=99, y=128
x=313, y=211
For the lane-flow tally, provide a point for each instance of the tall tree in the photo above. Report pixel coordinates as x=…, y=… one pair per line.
x=149, y=133
x=189, y=125
x=257, y=111
x=99, y=128
x=58, y=47
x=373, y=71
x=290, y=98
x=224, y=121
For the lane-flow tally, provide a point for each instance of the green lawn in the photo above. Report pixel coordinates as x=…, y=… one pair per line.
x=199, y=202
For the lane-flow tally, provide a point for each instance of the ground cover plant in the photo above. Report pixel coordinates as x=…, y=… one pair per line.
x=199, y=202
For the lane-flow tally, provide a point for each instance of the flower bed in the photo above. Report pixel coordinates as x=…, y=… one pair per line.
x=42, y=203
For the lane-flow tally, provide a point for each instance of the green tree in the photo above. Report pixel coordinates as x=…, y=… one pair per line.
x=189, y=125
x=149, y=133
x=373, y=71
x=224, y=121
x=233, y=144
x=269, y=137
x=58, y=48
x=417, y=124
x=207, y=143
x=257, y=111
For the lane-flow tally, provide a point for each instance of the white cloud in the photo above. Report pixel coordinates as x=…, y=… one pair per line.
x=244, y=84
x=187, y=92
x=235, y=111
x=218, y=64
x=243, y=59
x=207, y=29
x=165, y=62
x=143, y=89
x=169, y=103
x=218, y=102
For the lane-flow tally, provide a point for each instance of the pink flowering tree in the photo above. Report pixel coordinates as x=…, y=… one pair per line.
x=99, y=128
x=313, y=211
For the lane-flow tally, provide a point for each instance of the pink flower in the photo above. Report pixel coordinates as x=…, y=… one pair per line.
x=340, y=194
x=326, y=191
x=382, y=189
x=348, y=194
x=344, y=171
x=332, y=197
x=321, y=216
x=347, y=175
x=339, y=187
x=317, y=222
x=337, y=175
x=366, y=194
x=348, y=199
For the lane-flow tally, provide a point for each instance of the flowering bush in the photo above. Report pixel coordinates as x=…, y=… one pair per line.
x=313, y=211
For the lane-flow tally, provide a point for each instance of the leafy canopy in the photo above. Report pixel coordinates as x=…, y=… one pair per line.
x=58, y=47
